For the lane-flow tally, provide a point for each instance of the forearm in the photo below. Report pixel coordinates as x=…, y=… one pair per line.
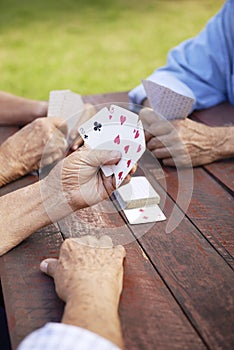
x=11, y=165
x=15, y=110
x=95, y=310
x=224, y=142
x=25, y=211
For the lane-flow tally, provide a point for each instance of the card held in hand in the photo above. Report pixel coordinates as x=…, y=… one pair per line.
x=168, y=103
x=116, y=129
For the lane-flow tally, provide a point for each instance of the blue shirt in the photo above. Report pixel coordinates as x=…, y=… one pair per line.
x=203, y=65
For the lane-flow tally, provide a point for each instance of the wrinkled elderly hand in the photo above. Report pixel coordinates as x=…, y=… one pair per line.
x=78, y=182
x=83, y=262
x=44, y=138
x=179, y=143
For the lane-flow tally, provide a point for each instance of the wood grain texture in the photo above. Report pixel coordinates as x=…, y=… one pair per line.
x=223, y=171
x=197, y=275
x=7, y=131
x=29, y=295
x=211, y=208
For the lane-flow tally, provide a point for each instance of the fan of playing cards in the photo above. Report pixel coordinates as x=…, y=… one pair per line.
x=116, y=129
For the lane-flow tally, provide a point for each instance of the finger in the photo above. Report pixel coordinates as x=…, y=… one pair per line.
x=169, y=162
x=49, y=266
x=148, y=136
x=148, y=116
x=161, y=127
x=154, y=143
x=77, y=143
x=133, y=170
x=59, y=123
x=97, y=158
x=162, y=153
x=105, y=242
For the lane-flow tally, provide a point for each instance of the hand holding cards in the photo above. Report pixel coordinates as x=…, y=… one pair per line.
x=116, y=129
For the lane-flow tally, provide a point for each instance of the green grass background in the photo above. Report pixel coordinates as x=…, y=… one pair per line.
x=91, y=46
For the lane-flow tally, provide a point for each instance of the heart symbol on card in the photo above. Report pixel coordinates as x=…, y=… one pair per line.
x=117, y=140
x=145, y=217
x=141, y=210
x=137, y=134
x=126, y=148
x=128, y=163
x=139, y=148
x=110, y=116
x=120, y=175
x=122, y=119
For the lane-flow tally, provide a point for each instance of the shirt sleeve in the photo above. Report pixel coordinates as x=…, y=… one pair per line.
x=202, y=64
x=60, y=336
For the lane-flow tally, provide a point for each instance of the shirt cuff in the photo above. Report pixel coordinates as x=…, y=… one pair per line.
x=67, y=337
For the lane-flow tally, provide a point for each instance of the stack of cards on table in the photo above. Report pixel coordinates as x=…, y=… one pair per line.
x=116, y=129
x=166, y=102
x=65, y=104
x=139, y=201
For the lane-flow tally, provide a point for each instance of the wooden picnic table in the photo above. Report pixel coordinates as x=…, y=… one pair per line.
x=178, y=286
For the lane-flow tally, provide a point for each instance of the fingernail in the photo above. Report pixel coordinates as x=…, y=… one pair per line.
x=43, y=266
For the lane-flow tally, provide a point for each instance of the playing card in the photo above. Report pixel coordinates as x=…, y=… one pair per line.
x=123, y=116
x=115, y=129
x=136, y=148
x=144, y=215
x=167, y=102
x=65, y=104
x=137, y=193
x=56, y=101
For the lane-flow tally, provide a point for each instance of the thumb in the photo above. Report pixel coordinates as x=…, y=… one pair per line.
x=48, y=266
x=98, y=157
x=59, y=123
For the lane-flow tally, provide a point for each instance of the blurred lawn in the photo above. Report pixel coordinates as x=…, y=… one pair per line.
x=91, y=46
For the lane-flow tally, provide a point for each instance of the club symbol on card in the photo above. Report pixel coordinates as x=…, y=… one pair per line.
x=128, y=163
x=126, y=148
x=97, y=126
x=86, y=136
x=122, y=119
x=117, y=140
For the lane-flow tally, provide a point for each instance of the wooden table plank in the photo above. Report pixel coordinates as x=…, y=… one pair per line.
x=29, y=295
x=211, y=208
x=7, y=131
x=114, y=97
x=223, y=171
x=196, y=275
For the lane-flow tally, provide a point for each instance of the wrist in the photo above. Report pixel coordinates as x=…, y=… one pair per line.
x=11, y=168
x=97, y=314
x=223, y=142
